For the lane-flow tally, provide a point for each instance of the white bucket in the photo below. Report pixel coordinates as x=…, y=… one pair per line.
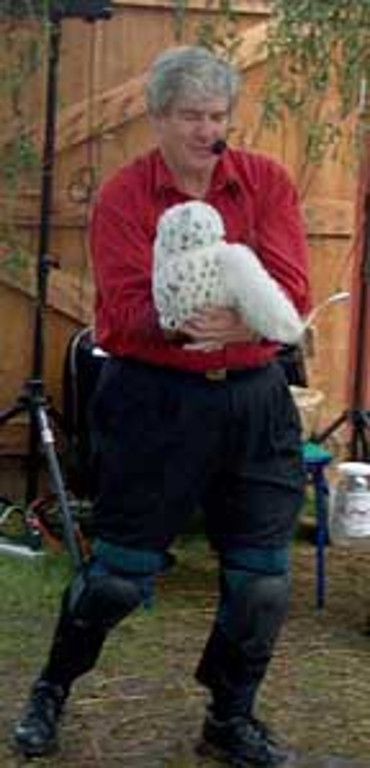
x=349, y=509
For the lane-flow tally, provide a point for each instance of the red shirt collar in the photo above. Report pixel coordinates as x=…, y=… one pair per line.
x=224, y=173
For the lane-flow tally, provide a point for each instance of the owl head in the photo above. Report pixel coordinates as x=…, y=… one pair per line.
x=188, y=226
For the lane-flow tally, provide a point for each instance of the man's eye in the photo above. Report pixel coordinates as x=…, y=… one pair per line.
x=193, y=117
x=219, y=117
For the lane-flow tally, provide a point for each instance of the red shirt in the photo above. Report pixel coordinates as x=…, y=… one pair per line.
x=259, y=206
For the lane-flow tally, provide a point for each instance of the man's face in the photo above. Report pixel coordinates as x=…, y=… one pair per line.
x=186, y=133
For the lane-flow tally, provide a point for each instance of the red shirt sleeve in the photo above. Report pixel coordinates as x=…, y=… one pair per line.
x=281, y=238
x=121, y=253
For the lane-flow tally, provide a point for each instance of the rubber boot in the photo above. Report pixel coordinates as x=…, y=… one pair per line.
x=91, y=606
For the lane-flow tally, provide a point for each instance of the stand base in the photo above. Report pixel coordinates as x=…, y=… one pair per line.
x=34, y=403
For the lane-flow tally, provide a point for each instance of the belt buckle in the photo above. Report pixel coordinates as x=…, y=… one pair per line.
x=216, y=374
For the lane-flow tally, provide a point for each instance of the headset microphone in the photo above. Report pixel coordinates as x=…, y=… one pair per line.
x=218, y=146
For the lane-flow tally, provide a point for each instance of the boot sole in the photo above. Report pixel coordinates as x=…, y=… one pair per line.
x=33, y=751
x=205, y=749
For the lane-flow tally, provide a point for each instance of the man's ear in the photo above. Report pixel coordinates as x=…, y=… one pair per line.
x=156, y=123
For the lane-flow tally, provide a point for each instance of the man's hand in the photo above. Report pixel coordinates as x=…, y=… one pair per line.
x=214, y=327
x=175, y=336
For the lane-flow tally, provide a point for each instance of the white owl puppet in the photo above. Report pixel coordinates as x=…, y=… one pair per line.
x=194, y=267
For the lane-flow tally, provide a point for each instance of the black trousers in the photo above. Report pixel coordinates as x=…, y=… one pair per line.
x=165, y=442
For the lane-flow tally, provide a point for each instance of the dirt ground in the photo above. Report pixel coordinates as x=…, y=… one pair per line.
x=141, y=707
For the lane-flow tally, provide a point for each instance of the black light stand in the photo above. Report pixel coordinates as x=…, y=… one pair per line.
x=357, y=417
x=33, y=399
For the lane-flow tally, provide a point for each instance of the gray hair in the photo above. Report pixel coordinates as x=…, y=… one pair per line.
x=189, y=71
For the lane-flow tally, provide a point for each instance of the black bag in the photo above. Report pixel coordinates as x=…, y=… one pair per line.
x=82, y=366
x=291, y=359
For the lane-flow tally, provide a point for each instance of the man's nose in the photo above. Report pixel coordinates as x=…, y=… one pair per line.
x=206, y=129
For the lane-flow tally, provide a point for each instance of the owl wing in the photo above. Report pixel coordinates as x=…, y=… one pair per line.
x=185, y=283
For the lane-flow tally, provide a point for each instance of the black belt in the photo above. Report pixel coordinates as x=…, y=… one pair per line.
x=210, y=374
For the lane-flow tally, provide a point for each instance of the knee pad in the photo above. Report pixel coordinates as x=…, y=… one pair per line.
x=240, y=646
x=101, y=599
x=253, y=604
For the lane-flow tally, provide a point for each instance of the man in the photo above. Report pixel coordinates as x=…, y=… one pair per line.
x=199, y=415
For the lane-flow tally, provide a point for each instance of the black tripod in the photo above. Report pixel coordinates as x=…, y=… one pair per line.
x=358, y=418
x=33, y=399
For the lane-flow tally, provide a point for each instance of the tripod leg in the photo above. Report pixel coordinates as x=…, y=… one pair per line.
x=48, y=443
x=33, y=458
x=359, y=444
x=365, y=436
x=12, y=411
x=320, y=437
